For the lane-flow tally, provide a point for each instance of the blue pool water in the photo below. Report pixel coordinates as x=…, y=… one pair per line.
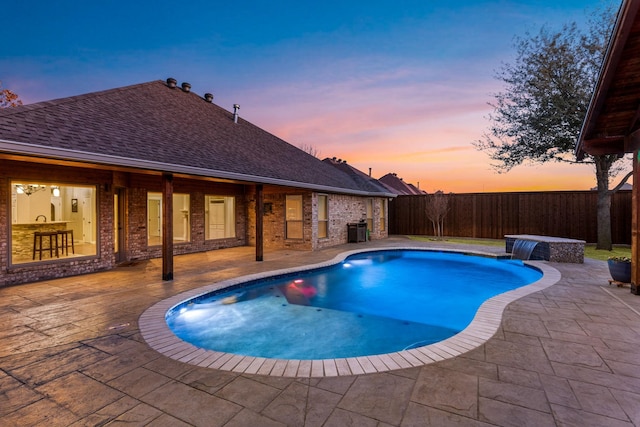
x=371, y=303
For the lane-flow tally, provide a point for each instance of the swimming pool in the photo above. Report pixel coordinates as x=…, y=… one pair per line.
x=362, y=312
x=371, y=303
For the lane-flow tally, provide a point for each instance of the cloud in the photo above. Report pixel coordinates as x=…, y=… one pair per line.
x=361, y=109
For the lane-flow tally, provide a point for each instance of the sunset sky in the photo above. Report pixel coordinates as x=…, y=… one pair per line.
x=397, y=87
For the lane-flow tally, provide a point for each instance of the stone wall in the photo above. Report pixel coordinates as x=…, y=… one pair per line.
x=549, y=248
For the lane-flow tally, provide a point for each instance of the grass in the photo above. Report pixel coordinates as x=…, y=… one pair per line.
x=590, y=250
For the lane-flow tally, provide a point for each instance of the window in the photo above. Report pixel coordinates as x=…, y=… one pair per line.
x=293, y=207
x=370, y=215
x=181, y=214
x=383, y=214
x=52, y=215
x=220, y=217
x=323, y=217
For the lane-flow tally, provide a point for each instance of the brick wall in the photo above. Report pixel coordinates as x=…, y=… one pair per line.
x=135, y=221
x=345, y=209
x=342, y=210
x=137, y=215
x=137, y=224
x=4, y=231
x=273, y=221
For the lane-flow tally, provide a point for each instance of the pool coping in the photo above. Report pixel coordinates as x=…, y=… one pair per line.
x=485, y=324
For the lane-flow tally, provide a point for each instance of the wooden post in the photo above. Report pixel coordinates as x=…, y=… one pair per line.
x=167, y=227
x=635, y=223
x=259, y=224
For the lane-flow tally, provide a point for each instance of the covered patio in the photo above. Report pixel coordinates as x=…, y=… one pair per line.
x=71, y=353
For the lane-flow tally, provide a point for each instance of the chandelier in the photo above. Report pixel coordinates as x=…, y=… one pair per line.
x=29, y=189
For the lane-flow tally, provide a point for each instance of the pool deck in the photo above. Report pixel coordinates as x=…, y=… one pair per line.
x=71, y=353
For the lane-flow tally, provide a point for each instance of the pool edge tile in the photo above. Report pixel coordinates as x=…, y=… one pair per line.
x=484, y=326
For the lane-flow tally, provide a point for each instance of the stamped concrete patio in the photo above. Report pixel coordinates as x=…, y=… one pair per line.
x=71, y=354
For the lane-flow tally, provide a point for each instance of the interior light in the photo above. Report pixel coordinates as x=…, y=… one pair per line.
x=29, y=189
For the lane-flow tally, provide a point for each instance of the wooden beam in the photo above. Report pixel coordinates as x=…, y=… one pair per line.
x=167, y=227
x=635, y=223
x=615, y=51
x=606, y=145
x=259, y=223
x=633, y=124
x=632, y=142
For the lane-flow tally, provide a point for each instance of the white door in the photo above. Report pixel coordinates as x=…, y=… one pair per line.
x=87, y=220
x=216, y=219
x=155, y=210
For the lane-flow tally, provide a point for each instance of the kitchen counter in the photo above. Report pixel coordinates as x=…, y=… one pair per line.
x=22, y=235
x=41, y=223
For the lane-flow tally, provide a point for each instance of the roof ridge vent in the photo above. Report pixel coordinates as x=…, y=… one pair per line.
x=171, y=82
x=208, y=97
x=186, y=87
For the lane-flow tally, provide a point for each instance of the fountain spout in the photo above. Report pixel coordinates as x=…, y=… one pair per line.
x=522, y=249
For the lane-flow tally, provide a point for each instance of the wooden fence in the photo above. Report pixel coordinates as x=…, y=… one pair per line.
x=570, y=214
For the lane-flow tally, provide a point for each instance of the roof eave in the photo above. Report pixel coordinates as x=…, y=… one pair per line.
x=32, y=150
x=626, y=15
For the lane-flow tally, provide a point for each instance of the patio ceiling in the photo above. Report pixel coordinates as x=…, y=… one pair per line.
x=612, y=123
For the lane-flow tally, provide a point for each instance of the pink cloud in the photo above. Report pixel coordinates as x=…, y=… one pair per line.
x=420, y=128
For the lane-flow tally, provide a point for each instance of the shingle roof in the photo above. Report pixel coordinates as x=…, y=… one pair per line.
x=363, y=180
x=153, y=126
x=398, y=186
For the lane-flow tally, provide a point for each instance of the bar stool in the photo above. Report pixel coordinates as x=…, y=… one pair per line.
x=37, y=243
x=64, y=241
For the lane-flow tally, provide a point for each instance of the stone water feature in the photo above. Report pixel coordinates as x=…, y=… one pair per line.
x=522, y=249
x=548, y=248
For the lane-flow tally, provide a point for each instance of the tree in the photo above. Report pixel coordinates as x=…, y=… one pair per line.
x=8, y=98
x=538, y=116
x=310, y=149
x=436, y=209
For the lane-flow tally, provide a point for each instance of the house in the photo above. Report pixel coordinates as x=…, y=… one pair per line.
x=365, y=181
x=397, y=185
x=612, y=122
x=153, y=170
